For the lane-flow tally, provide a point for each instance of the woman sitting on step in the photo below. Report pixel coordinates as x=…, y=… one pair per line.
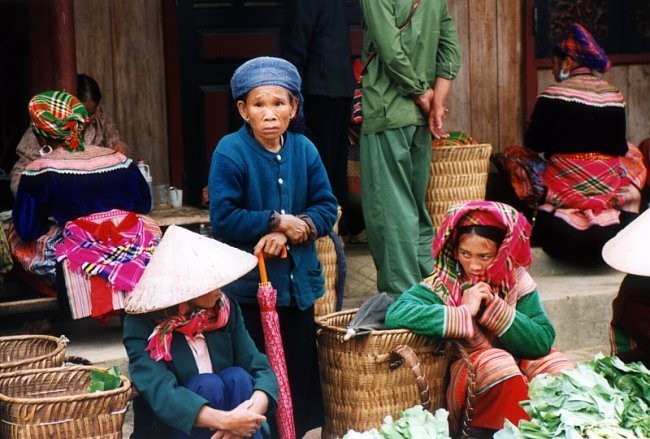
x=481, y=295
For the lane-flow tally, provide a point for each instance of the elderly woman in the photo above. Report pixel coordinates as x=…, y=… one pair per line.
x=190, y=356
x=593, y=174
x=92, y=192
x=268, y=191
x=481, y=295
x=100, y=129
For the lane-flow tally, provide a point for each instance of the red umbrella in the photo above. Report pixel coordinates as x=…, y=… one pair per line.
x=266, y=297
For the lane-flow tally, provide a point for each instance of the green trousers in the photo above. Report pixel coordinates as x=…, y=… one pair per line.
x=395, y=167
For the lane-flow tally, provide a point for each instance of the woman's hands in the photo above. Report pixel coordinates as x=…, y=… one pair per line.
x=271, y=244
x=242, y=421
x=296, y=230
x=476, y=296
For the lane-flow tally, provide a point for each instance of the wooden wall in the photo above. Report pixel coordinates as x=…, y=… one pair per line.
x=120, y=44
x=486, y=98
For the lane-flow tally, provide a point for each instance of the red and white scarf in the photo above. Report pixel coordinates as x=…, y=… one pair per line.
x=189, y=321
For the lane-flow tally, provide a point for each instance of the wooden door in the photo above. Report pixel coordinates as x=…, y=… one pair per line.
x=213, y=39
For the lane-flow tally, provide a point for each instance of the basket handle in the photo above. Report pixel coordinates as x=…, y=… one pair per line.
x=405, y=354
x=466, y=422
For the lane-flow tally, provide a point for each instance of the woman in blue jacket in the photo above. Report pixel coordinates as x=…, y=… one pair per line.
x=269, y=190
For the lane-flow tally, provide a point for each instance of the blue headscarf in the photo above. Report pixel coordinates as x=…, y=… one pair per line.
x=267, y=70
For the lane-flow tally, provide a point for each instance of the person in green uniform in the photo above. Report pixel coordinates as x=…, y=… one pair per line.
x=411, y=53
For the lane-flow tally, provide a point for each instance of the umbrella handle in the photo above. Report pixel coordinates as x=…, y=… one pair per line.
x=260, y=262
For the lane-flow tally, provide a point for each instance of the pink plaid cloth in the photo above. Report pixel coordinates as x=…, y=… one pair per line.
x=116, y=245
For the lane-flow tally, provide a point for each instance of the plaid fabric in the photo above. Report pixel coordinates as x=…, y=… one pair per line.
x=115, y=245
x=36, y=257
x=513, y=253
x=591, y=189
x=455, y=138
x=581, y=46
x=59, y=115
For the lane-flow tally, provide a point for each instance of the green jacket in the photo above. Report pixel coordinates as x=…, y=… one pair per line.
x=160, y=383
x=407, y=62
x=525, y=332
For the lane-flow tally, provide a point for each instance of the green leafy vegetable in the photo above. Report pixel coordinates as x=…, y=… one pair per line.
x=414, y=422
x=104, y=380
x=602, y=398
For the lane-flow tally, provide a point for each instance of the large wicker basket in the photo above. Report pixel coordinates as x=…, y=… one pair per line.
x=360, y=384
x=54, y=403
x=21, y=352
x=458, y=173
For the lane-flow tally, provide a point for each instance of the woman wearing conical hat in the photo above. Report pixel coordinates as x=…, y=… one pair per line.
x=190, y=356
x=629, y=252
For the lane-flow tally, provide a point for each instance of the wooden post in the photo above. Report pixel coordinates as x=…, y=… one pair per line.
x=65, y=60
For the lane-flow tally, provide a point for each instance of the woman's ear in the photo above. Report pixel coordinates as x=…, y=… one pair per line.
x=294, y=108
x=241, y=107
x=568, y=64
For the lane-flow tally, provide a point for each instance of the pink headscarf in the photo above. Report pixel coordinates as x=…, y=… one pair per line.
x=514, y=251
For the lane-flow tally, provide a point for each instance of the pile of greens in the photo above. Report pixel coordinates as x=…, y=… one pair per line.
x=602, y=398
x=101, y=380
x=414, y=422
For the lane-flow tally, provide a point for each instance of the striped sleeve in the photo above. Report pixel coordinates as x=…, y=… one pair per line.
x=458, y=322
x=497, y=317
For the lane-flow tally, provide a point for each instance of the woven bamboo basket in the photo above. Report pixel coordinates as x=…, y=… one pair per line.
x=54, y=403
x=326, y=250
x=360, y=382
x=21, y=352
x=458, y=173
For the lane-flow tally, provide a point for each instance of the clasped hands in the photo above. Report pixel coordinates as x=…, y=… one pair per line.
x=476, y=296
x=290, y=229
x=434, y=110
x=241, y=422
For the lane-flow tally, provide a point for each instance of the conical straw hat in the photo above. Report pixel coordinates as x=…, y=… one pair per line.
x=629, y=250
x=184, y=266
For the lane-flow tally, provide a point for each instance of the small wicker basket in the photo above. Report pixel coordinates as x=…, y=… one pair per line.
x=54, y=403
x=360, y=382
x=458, y=173
x=21, y=352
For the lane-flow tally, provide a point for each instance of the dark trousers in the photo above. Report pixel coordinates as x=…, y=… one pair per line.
x=224, y=391
x=328, y=123
x=299, y=342
x=562, y=241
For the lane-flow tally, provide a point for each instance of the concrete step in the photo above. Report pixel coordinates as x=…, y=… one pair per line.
x=578, y=299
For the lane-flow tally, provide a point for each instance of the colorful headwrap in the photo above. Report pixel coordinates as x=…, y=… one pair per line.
x=267, y=70
x=60, y=116
x=581, y=46
x=513, y=252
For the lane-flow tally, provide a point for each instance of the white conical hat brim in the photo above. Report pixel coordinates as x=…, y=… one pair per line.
x=629, y=250
x=184, y=266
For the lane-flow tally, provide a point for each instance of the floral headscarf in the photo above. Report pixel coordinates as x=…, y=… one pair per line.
x=513, y=252
x=582, y=47
x=61, y=116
